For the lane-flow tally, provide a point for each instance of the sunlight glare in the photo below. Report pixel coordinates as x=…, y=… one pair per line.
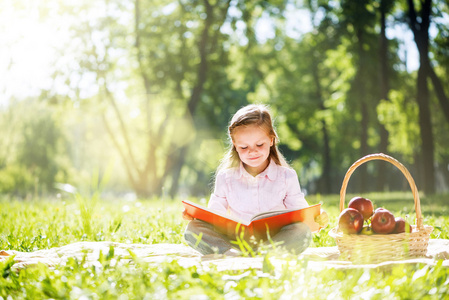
x=27, y=51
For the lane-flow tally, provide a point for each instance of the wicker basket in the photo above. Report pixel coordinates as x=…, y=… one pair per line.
x=360, y=248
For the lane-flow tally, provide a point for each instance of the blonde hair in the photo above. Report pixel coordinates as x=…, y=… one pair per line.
x=249, y=115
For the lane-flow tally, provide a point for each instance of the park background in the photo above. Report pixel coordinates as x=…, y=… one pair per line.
x=139, y=93
x=111, y=109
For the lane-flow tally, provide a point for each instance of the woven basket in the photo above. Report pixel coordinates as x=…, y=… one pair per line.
x=360, y=248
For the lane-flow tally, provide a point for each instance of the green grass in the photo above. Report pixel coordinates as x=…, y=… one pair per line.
x=35, y=225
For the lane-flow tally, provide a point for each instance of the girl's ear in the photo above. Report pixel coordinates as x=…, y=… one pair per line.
x=272, y=141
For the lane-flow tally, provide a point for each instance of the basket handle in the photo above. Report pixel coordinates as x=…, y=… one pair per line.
x=381, y=156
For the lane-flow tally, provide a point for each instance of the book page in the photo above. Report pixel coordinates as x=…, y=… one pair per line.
x=272, y=213
x=275, y=220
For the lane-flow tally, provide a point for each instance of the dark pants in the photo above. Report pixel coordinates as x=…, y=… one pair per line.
x=202, y=237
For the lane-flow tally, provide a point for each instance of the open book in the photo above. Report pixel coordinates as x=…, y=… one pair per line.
x=272, y=221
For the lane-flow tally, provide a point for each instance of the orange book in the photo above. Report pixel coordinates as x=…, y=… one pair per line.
x=259, y=223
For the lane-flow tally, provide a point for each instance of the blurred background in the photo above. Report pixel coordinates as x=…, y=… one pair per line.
x=141, y=92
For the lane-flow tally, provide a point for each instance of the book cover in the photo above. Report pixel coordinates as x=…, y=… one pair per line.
x=272, y=221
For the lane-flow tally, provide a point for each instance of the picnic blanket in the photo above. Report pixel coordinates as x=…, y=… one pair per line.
x=317, y=258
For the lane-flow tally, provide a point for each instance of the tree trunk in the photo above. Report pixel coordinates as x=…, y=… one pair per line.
x=384, y=89
x=176, y=171
x=364, y=145
x=362, y=98
x=327, y=162
x=425, y=125
x=206, y=45
x=420, y=28
x=325, y=180
x=439, y=90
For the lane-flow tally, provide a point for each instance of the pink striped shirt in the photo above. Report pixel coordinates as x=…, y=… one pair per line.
x=242, y=195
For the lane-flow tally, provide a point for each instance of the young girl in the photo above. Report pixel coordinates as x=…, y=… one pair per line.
x=252, y=178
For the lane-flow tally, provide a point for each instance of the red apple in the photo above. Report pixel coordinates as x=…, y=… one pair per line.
x=383, y=221
x=363, y=205
x=379, y=209
x=402, y=226
x=350, y=221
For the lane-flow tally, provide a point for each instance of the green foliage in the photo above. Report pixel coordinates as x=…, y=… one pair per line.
x=34, y=146
x=87, y=206
x=42, y=142
x=34, y=225
x=111, y=280
x=400, y=117
x=15, y=180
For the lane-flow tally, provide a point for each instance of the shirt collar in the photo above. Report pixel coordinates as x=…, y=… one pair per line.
x=270, y=172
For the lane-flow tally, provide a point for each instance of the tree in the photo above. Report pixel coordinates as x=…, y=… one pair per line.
x=40, y=150
x=166, y=71
x=359, y=19
x=205, y=44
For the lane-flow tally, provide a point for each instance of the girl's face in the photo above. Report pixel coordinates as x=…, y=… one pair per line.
x=253, y=146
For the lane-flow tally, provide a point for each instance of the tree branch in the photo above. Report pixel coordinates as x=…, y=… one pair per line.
x=203, y=66
x=120, y=150
x=439, y=90
x=412, y=17
x=123, y=129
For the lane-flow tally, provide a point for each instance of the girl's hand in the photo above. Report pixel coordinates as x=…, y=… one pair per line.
x=186, y=216
x=322, y=219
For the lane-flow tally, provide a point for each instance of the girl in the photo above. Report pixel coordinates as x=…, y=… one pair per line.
x=252, y=178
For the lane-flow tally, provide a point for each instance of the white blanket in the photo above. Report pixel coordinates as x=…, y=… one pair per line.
x=317, y=258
